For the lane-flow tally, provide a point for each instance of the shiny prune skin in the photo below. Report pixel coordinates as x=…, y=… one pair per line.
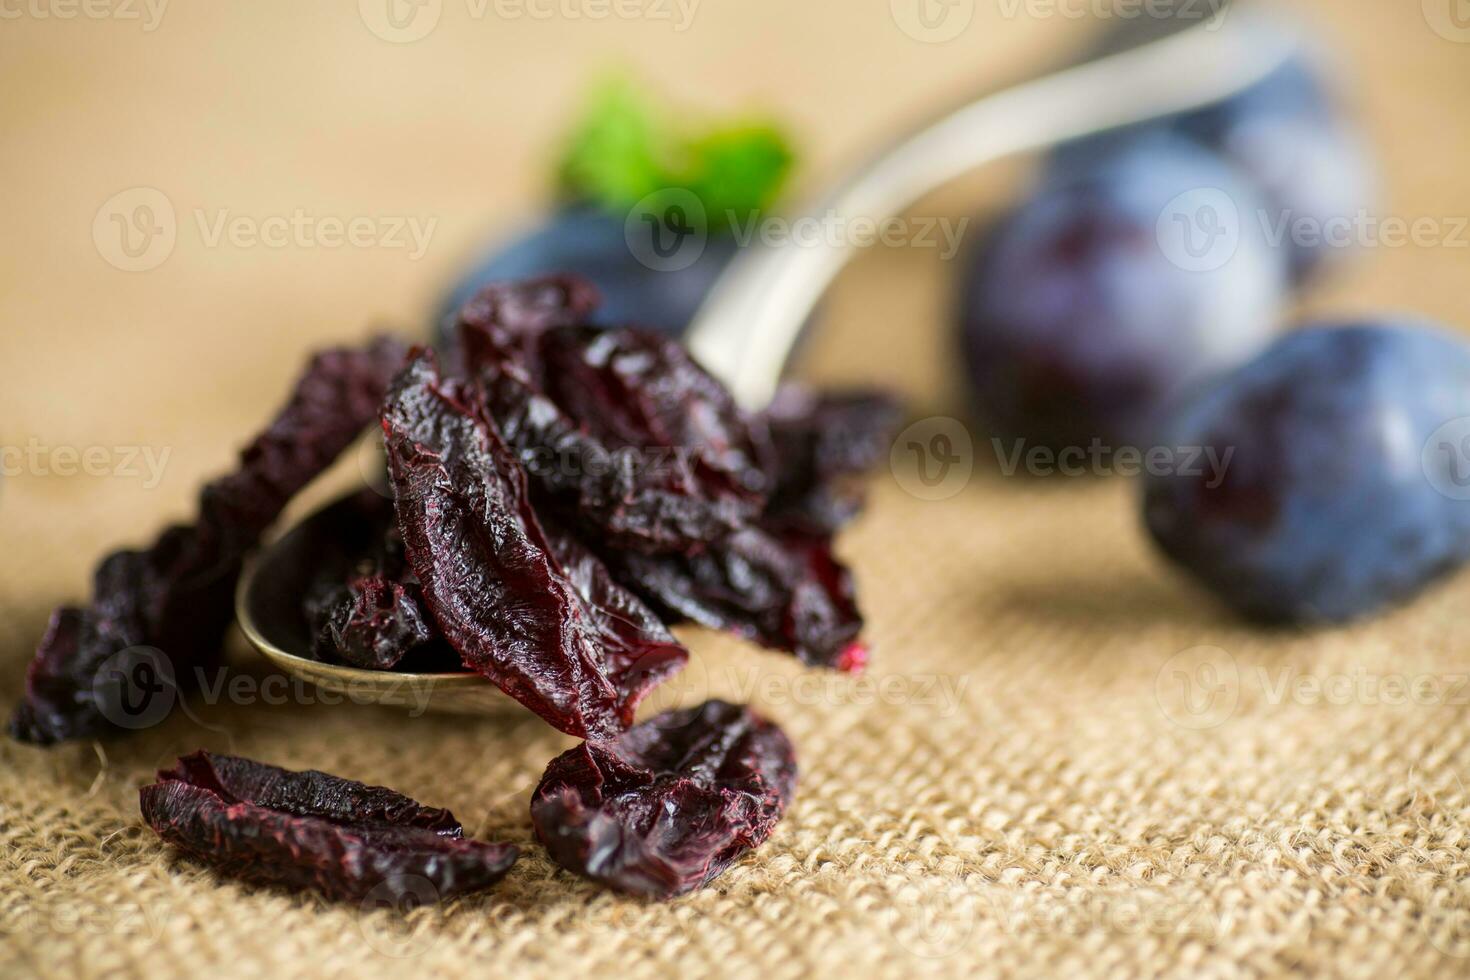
x=534, y=612
x=665, y=808
x=373, y=623
x=272, y=826
x=783, y=590
x=1330, y=507
x=620, y=430
x=1080, y=319
x=591, y=242
x=1286, y=134
x=824, y=445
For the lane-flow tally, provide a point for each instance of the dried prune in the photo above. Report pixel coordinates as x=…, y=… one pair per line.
x=665, y=808
x=347, y=840
x=620, y=430
x=825, y=443
x=177, y=595
x=374, y=623
x=492, y=578
x=784, y=591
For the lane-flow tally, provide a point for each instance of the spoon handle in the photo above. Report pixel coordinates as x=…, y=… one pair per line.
x=748, y=325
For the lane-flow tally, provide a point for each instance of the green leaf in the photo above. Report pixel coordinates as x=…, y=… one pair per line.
x=611, y=154
x=625, y=149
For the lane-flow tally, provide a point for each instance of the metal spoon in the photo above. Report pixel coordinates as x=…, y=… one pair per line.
x=748, y=325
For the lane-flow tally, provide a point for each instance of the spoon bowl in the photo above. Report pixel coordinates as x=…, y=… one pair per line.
x=269, y=609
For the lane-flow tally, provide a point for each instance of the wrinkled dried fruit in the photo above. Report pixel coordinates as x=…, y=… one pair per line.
x=492, y=577
x=177, y=595
x=825, y=444
x=374, y=623
x=783, y=591
x=266, y=825
x=665, y=808
x=620, y=430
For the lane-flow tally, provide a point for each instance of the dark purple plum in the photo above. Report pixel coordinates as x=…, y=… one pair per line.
x=1089, y=307
x=1288, y=135
x=1343, y=491
x=592, y=242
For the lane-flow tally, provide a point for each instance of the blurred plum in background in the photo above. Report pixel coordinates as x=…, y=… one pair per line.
x=1347, y=484
x=1085, y=310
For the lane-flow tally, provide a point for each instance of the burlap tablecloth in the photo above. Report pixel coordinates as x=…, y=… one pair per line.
x=1028, y=783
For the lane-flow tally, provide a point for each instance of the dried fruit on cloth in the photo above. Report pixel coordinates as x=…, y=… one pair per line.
x=177, y=595
x=533, y=611
x=665, y=808
x=266, y=825
x=621, y=431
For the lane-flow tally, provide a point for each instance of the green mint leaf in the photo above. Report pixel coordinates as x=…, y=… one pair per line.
x=625, y=149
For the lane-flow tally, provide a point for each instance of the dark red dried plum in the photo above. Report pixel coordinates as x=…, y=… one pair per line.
x=178, y=595
x=784, y=591
x=530, y=305
x=637, y=388
x=492, y=578
x=516, y=313
x=620, y=430
x=347, y=840
x=825, y=444
x=665, y=808
x=374, y=623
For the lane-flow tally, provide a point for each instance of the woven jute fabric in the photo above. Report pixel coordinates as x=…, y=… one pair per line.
x=1065, y=761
